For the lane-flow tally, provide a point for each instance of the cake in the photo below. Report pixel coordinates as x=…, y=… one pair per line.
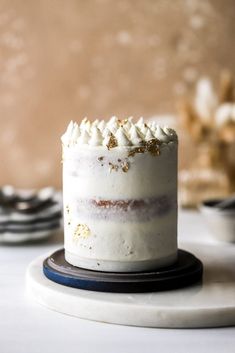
x=120, y=195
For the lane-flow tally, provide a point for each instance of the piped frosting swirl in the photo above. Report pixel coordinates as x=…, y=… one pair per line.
x=124, y=132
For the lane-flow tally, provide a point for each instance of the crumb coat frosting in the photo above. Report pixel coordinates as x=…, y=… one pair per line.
x=120, y=195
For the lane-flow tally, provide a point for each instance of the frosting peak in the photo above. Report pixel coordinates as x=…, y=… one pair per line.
x=96, y=137
x=116, y=133
x=135, y=135
x=122, y=139
x=84, y=138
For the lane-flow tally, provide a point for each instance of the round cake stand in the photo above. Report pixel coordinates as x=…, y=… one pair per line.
x=210, y=304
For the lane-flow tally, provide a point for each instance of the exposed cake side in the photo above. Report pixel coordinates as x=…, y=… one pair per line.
x=120, y=195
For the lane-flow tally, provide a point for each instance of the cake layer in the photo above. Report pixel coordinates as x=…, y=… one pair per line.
x=122, y=241
x=140, y=210
x=86, y=175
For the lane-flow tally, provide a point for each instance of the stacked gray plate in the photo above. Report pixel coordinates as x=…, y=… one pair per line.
x=27, y=215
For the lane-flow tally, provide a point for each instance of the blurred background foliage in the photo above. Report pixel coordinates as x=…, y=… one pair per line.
x=63, y=60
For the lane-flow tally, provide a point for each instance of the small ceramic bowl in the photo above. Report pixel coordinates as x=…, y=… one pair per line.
x=221, y=222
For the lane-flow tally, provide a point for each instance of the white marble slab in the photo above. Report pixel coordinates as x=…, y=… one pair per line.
x=209, y=305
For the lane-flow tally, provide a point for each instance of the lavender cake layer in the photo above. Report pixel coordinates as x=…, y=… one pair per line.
x=120, y=195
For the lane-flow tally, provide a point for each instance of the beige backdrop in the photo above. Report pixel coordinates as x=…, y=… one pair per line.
x=66, y=59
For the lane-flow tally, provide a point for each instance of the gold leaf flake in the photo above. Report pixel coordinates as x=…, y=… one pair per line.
x=136, y=150
x=113, y=167
x=152, y=146
x=112, y=142
x=125, y=167
x=81, y=230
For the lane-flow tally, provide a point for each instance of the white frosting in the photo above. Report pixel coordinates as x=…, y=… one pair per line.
x=143, y=234
x=101, y=125
x=144, y=128
x=149, y=135
x=128, y=124
x=84, y=138
x=122, y=139
x=96, y=137
x=170, y=133
x=84, y=123
x=140, y=122
x=75, y=133
x=135, y=135
x=137, y=245
x=126, y=133
x=95, y=123
x=86, y=177
x=70, y=128
x=161, y=135
x=112, y=120
x=147, y=176
x=106, y=132
x=106, y=136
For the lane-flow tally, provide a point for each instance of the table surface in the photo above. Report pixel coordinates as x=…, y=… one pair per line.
x=29, y=328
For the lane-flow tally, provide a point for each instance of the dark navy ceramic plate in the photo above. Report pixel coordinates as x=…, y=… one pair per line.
x=185, y=272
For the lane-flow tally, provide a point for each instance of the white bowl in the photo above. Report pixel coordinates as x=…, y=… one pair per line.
x=221, y=222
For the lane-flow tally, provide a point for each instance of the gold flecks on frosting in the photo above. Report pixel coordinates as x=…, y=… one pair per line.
x=152, y=146
x=115, y=133
x=135, y=150
x=100, y=158
x=67, y=212
x=125, y=167
x=112, y=142
x=81, y=230
x=113, y=167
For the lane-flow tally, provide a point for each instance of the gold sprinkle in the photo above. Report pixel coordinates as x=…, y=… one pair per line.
x=136, y=150
x=112, y=142
x=100, y=158
x=152, y=146
x=122, y=122
x=82, y=230
x=125, y=167
x=113, y=167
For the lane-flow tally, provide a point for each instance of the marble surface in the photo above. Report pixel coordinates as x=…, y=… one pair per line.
x=209, y=304
x=43, y=330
